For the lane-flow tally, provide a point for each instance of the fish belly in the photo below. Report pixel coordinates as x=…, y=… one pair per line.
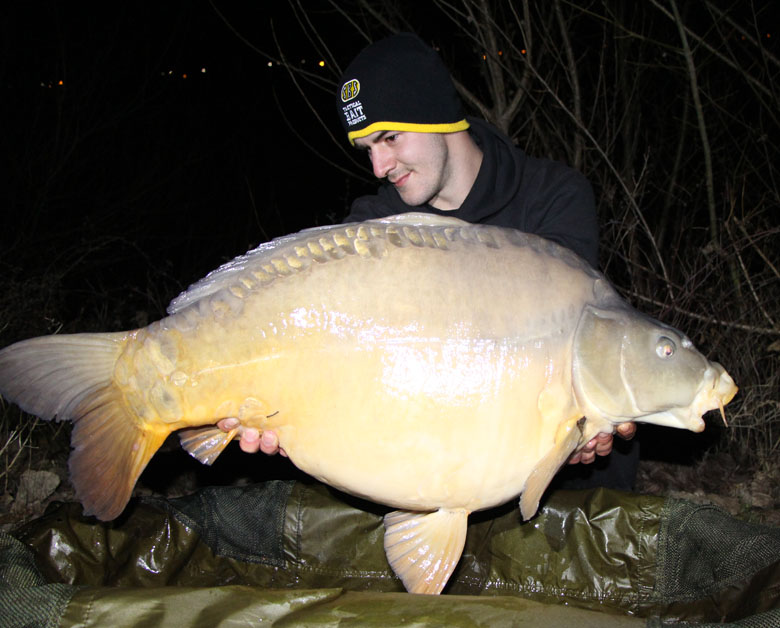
x=403, y=380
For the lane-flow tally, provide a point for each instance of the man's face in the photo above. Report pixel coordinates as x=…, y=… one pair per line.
x=417, y=164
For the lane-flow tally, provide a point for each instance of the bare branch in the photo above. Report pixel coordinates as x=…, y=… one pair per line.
x=705, y=142
x=710, y=320
x=574, y=83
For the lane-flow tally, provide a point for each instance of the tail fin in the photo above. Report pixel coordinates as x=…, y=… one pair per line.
x=70, y=377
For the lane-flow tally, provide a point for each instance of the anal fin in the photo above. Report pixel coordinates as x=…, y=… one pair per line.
x=205, y=443
x=566, y=441
x=424, y=548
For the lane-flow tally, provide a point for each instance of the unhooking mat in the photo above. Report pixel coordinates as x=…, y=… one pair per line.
x=288, y=553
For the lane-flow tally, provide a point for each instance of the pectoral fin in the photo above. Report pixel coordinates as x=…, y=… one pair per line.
x=423, y=548
x=566, y=441
x=205, y=443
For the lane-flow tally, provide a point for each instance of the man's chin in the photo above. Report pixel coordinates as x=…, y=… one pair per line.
x=412, y=199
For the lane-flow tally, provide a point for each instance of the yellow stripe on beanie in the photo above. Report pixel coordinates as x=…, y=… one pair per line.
x=450, y=127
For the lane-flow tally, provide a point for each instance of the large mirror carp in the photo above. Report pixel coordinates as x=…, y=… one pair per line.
x=417, y=361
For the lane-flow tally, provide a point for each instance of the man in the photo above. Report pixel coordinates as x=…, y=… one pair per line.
x=397, y=102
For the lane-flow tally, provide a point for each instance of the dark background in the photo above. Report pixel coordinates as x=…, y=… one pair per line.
x=122, y=181
x=146, y=138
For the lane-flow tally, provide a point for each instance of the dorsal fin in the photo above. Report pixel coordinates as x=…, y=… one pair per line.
x=290, y=253
x=229, y=272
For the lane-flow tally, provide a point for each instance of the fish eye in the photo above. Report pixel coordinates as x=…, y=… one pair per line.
x=665, y=347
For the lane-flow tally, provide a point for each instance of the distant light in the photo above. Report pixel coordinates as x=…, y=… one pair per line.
x=303, y=61
x=523, y=51
x=60, y=82
x=270, y=64
x=500, y=53
x=484, y=57
x=184, y=76
x=203, y=70
x=321, y=64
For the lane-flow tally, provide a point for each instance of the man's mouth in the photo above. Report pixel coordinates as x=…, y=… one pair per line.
x=400, y=181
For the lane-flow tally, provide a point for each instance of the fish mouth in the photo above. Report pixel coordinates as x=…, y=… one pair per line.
x=718, y=390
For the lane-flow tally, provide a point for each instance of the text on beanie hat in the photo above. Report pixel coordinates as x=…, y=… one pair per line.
x=398, y=84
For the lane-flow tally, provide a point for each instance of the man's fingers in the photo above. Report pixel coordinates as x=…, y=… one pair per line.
x=228, y=424
x=588, y=457
x=599, y=445
x=603, y=444
x=582, y=457
x=250, y=440
x=626, y=430
x=269, y=443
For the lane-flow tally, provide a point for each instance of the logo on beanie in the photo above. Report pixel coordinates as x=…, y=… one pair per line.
x=353, y=113
x=349, y=90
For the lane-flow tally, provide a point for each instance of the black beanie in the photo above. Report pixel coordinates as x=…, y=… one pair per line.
x=398, y=84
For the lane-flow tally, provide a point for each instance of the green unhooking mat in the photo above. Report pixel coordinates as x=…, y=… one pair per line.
x=299, y=554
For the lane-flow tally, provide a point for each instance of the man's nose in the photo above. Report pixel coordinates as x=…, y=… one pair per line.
x=382, y=161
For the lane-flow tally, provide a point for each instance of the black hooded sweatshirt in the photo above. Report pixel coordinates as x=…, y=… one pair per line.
x=536, y=196
x=511, y=190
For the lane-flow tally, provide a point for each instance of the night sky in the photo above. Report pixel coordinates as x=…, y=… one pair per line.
x=154, y=139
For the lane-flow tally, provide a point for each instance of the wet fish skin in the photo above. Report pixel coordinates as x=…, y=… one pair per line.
x=416, y=361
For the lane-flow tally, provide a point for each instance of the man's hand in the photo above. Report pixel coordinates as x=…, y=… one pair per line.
x=251, y=441
x=601, y=445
